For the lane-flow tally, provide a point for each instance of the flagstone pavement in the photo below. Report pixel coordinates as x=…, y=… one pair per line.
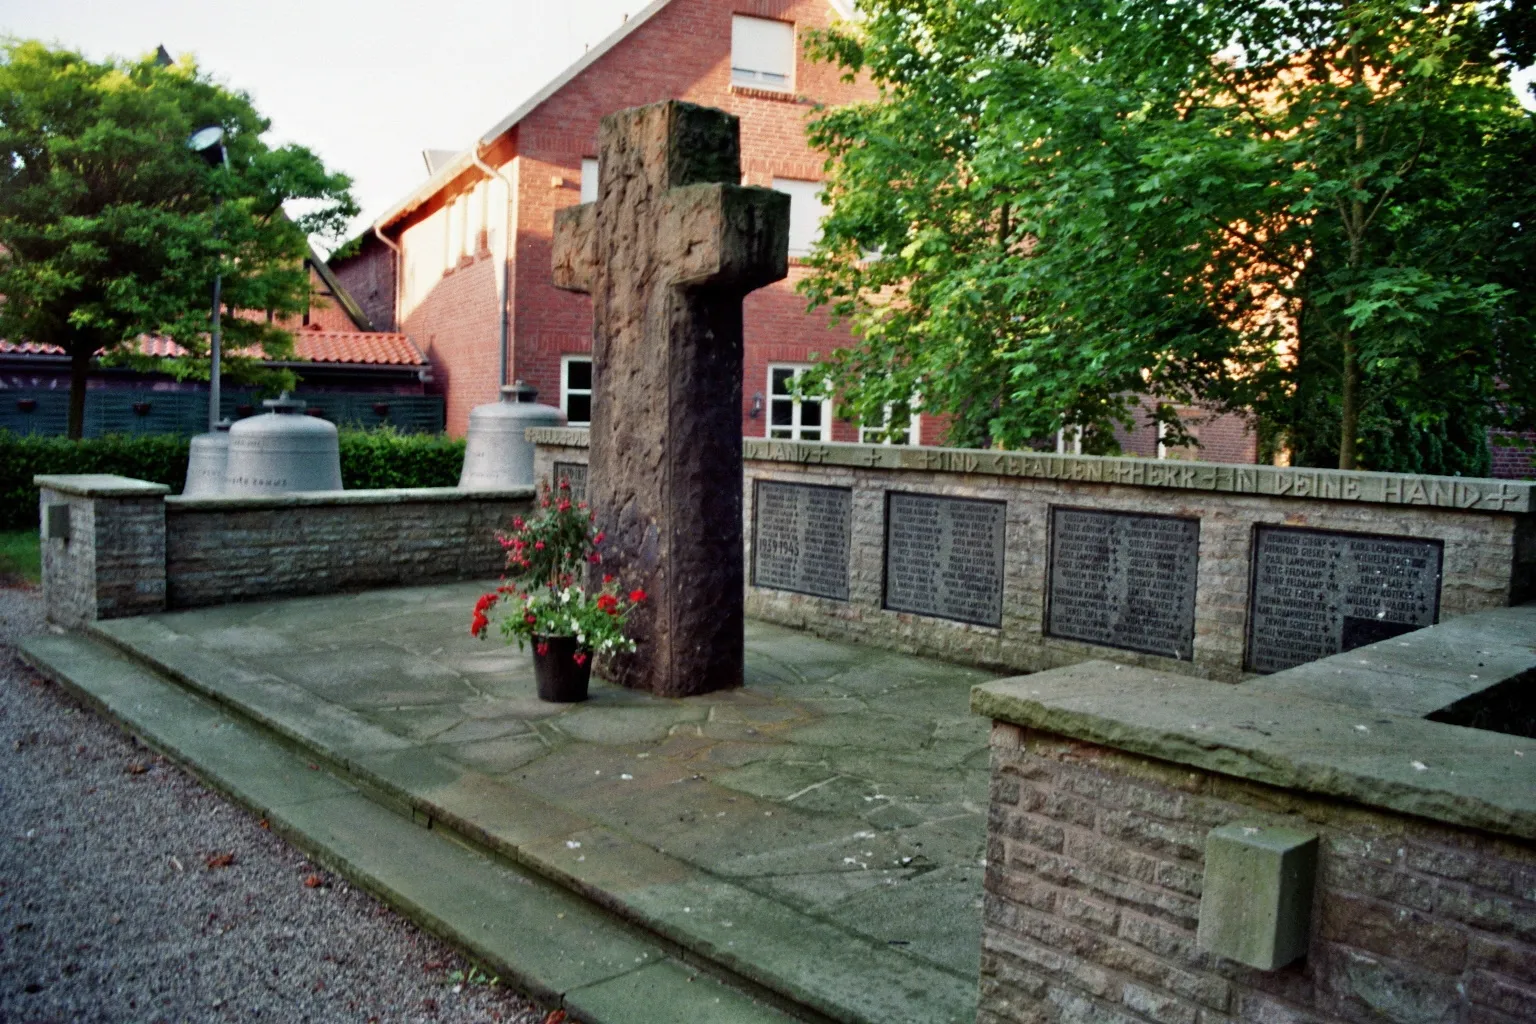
x=841, y=793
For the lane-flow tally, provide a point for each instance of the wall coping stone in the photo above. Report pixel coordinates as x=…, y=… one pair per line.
x=99, y=485
x=1419, y=673
x=1469, y=494
x=1292, y=738
x=381, y=496
x=559, y=437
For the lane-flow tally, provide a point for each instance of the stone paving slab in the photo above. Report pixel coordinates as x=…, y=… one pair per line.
x=832, y=811
x=540, y=938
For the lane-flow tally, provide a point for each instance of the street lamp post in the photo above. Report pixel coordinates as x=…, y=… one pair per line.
x=208, y=143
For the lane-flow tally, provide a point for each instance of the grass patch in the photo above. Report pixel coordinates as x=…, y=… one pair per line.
x=20, y=555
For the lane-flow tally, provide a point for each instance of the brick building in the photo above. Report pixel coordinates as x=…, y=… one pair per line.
x=436, y=255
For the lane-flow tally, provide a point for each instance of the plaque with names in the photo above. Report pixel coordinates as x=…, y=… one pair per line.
x=574, y=473
x=944, y=557
x=800, y=538
x=1320, y=592
x=1123, y=579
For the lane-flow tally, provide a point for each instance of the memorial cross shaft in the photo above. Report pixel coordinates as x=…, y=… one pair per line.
x=668, y=251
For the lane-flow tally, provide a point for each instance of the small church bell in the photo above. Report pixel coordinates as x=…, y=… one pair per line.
x=497, y=455
x=206, y=463
x=282, y=451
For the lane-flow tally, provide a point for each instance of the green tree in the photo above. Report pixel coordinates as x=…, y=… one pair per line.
x=109, y=225
x=1317, y=212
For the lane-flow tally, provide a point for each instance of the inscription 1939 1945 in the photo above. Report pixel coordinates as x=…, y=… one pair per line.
x=800, y=538
x=1125, y=580
x=944, y=557
x=1319, y=592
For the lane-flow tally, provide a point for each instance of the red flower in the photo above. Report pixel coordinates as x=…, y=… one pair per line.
x=637, y=595
x=538, y=545
x=565, y=505
x=580, y=658
x=485, y=602
x=595, y=558
x=599, y=538
x=608, y=603
x=517, y=522
x=607, y=580
x=565, y=484
x=478, y=623
x=530, y=618
x=542, y=649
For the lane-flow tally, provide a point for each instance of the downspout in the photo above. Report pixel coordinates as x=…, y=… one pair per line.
x=399, y=274
x=503, y=282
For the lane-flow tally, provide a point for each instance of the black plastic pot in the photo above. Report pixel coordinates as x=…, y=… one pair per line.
x=561, y=679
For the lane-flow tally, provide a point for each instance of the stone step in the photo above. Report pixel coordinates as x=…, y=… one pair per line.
x=541, y=938
x=797, y=961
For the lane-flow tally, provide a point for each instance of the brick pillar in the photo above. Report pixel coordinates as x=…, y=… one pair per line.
x=103, y=540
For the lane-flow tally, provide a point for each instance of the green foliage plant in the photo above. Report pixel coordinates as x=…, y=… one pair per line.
x=111, y=229
x=1319, y=214
x=547, y=555
x=370, y=459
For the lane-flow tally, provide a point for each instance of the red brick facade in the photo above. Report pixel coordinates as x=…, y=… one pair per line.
x=448, y=288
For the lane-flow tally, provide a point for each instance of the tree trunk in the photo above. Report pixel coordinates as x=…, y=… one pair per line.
x=1349, y=418
x=79, y=368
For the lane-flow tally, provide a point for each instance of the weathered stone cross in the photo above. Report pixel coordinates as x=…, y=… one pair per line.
x=667, y=253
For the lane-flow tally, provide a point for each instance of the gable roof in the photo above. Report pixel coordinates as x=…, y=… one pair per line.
x=450, y=169
x=358, y=348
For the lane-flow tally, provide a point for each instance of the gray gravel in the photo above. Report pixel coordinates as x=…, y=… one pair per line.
x=110, y=910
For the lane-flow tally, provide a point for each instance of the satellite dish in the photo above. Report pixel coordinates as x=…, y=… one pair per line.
x=208, y=143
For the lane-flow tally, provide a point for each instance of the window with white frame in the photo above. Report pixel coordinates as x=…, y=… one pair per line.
x=884, y=433
x=474, y=220
x=790, y=418
x=453, y=244
x=576, y=390
x=589, y=179
x=762, y=53
x=805, y=213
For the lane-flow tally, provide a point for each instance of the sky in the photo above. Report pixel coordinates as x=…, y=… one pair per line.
x=366, y=84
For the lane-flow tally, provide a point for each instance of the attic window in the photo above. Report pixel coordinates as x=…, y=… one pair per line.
x=762, y=53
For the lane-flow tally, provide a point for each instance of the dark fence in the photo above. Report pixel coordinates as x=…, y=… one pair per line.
x=139, y=411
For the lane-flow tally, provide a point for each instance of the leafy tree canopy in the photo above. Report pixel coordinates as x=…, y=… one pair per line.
x=110, y=228
x=1317, y=211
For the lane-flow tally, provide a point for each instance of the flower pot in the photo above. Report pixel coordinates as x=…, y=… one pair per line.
x=562, y=680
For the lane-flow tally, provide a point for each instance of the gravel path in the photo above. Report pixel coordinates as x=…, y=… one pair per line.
x=130, y=893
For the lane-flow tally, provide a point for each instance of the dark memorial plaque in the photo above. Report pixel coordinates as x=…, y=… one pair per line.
x=944, y=557
x=1319, y=592
x=1121, y=579
x=800, y=538
x=574, y=473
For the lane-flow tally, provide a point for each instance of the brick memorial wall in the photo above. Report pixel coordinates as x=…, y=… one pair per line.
x=121, y=547
x=1093, y=888
x=1028, y=561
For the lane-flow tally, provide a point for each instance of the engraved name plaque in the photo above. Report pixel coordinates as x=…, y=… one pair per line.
x=1318, y=592
x=1124, y=580
x=800, y=538
x=576, y=474
x=944, y=557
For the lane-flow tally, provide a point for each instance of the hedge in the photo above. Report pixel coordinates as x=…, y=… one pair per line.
x=369, y=459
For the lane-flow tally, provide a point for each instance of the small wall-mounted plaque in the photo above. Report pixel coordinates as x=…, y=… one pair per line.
x=575, y=474
x=1124, y=579
x=801, y=538
x=944, y=556
x=1319, y=592
x=1256, y=902
x=55, y=524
